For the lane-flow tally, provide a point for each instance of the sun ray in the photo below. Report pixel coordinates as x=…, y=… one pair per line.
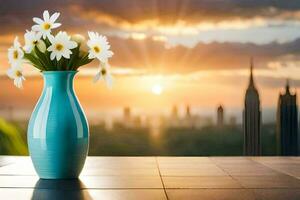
x=157, y=89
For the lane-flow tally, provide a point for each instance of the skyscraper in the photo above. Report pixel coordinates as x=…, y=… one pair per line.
x=287, y=124
x=252, y=119
x=126, y=113
x=175, y=112
x=188, y=112
x=220, y=116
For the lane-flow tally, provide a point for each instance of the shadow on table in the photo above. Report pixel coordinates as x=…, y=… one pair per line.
x=60, y=189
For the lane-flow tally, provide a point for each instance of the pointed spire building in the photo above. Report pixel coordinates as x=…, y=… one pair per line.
x=220, y=116
x=287, y=123
x=252, y=118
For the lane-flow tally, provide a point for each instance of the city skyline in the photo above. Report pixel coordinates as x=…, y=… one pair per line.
x=169, y=52
x=252, y=118
x=287, y=123
x=268, y=114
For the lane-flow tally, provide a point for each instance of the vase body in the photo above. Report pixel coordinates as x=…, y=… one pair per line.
x=58, y=133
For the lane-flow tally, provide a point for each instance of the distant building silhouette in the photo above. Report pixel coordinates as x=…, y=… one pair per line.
x=175, y=112
x=126, y=113
x=188, y=120
x=232, y=121
x=220, y=116
x=287, y=124
x=188, y=112
x=252, y=119
x=137, y=122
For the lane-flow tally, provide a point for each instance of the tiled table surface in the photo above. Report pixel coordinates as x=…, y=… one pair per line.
x=143, y=178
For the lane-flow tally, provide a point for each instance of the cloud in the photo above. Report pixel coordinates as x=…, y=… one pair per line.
x=175, y=17
x=159, y=57
x=153, y=52
x=166, y=16
x=191, y=11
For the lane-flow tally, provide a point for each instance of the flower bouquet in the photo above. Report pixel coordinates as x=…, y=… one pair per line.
x=58, y=132
x=57, y=52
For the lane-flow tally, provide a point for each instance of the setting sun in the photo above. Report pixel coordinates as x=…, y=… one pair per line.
x=157, y=89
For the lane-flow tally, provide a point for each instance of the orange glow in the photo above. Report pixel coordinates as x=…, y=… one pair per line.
x=156, y=89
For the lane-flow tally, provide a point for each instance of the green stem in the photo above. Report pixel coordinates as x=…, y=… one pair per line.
x=60, y=64
x=75, y=53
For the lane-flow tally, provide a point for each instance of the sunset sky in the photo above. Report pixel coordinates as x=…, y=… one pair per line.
x=192, y=52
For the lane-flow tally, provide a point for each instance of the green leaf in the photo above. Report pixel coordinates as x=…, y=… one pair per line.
x=34, y=61
x=82, y=61
x=51, y=62
x=85, y=62
x=47, y=42
x=60, y=64
x=74, y=57
x=42, y=57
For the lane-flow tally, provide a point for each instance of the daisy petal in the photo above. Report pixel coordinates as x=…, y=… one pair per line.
x=52, y=56
x=54, y=17
x=35, y=28
x=58, y=57
x=110, y=53
x=16, y=42
x=46, y=15
x=66, y=54
x=10, y=73
x=97, y=77
x=51, y=48
x=109, y=81
x=37, y=20
x=72, y=45
x=39, y=35
x=51, y=38
x=55, y=25
x=91, y=56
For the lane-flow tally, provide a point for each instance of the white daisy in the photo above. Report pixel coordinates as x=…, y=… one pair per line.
x=45, y=25
x=80, y=39
x=60, y=46
x=15, y=53
x=104, y=74
x=33, y=39
x=99, y=47
x=16, y=73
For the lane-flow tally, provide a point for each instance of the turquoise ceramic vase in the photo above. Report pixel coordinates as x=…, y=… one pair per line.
x=58, y=133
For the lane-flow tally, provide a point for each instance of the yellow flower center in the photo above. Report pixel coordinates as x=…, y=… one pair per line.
x=103, y=72
x=59, y=47
x=97, y=49
x=15, y=54
x=47, y=26
x=18, y=73
x=35, y=42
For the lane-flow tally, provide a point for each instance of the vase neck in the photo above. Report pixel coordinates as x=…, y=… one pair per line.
x=59, y=80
